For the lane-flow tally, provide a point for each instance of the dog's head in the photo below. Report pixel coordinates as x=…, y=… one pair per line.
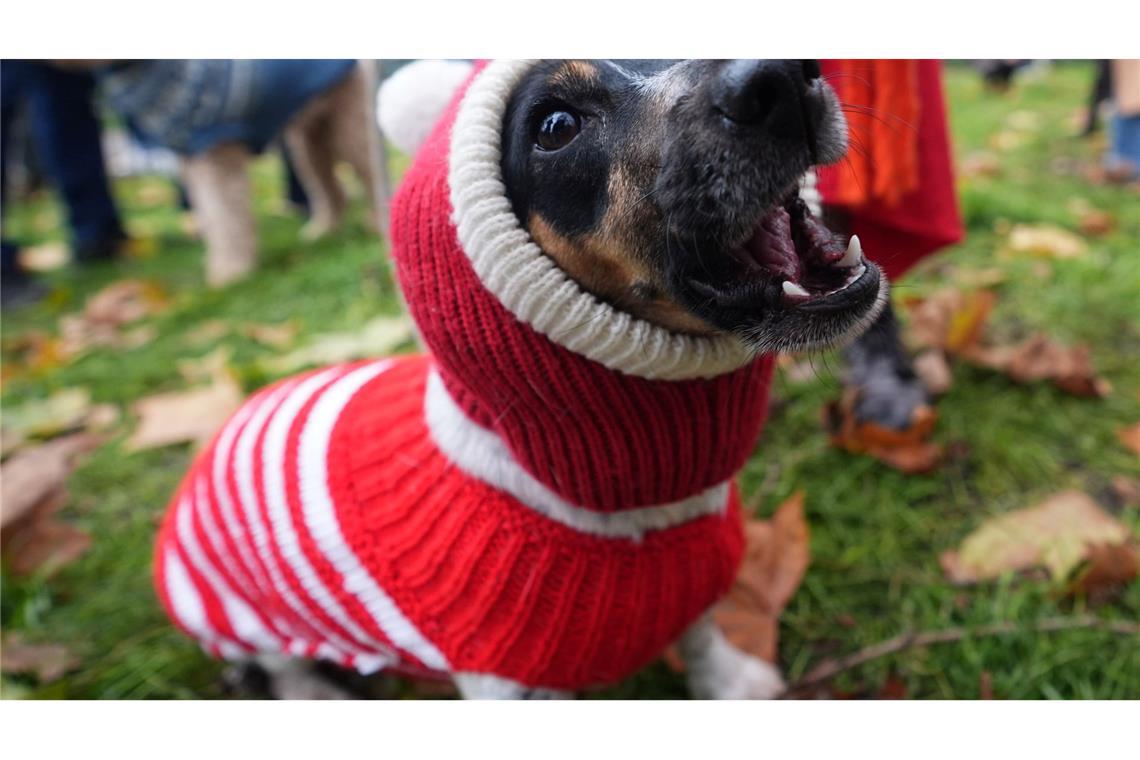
x=670, y=189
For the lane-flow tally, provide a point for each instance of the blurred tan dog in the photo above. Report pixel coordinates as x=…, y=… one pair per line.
x=216, y=115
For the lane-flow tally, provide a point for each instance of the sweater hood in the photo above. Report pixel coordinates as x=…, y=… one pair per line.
x=607, y=410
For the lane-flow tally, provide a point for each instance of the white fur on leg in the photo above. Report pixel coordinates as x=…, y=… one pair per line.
x=487, y=686
x=717, y=670
x=291, y=678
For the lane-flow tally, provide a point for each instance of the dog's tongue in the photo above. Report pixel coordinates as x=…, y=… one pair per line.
x=790, y=238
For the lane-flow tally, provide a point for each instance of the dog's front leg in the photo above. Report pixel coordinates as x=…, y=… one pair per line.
x=487, y=686
x=715, y=669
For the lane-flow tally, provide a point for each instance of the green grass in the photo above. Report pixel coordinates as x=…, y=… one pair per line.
x=876, y=534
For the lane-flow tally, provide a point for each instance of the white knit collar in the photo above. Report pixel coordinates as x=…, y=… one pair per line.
x=529, y=283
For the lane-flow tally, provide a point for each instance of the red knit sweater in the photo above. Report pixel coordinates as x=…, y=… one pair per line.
x=505, y=506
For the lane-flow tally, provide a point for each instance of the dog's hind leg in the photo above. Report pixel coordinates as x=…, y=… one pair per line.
x=292, y=678
x=715, y=669
x=222, y=198
x=487, y=686
x=309, y=139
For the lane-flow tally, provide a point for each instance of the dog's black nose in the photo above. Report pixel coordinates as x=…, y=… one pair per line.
x=764, y=94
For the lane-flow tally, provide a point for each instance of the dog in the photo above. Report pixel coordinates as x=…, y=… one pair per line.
x=217, y=114
x=601, y=258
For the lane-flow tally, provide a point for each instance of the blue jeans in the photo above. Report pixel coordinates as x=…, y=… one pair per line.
x=66, y=134
x=1124, y=149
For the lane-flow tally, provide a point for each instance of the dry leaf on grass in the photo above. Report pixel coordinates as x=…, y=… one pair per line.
x=980, y=164
x=1058, y=534
x=1127, y=490
x=32, y=492
x=1130, y=437
x=1045, y=240
x=280, y=335
x=953, y=321
x=126, y=301
x=776, y=556
x=1040, y=358
x=35, y=472
x=376, y=338
x=949, y=319
x=207, y=332
x=190, y=416
x=907, y=450
x=934, y=371
x=1095, y=222
x=43, y=418
x=46, y=662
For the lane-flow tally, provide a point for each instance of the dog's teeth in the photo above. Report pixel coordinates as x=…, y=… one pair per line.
x=795, y=289
x=854, y=255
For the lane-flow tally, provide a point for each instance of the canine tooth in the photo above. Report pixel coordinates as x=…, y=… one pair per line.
x=854, y=255
x=795, y=289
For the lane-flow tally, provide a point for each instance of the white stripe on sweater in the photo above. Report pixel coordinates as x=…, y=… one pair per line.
x=219, y=470
x=528, y=282
x=259, y=533
x=242, y=620
x=322, y=523
x=281, y=520
x=186, y=604
x=483, y=455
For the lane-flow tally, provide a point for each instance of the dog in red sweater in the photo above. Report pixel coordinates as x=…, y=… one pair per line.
x=601, y=258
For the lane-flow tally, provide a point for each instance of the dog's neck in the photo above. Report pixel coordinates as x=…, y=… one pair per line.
x=595, y=437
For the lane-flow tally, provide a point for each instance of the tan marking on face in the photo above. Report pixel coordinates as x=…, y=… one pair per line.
x=608, y=267
x=571, y=72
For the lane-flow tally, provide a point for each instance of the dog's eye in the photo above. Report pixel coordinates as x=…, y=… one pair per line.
x=557, y=130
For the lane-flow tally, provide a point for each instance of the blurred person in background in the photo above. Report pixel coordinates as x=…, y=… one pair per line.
x=1122, y=161
x=66, y=137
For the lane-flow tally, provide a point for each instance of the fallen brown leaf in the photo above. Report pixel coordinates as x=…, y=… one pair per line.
x=934, y=371
x=985, y=685
x=126, y=301
x=376, y=338
x=1057, y=534
x=185, y=416
x=777, y=554
x=1108, y=567
x=1127, y=490
x=1095, y=222
x=43, y=418
x=46, y=662
x=207, y=332
x=1130, y=437
x=34, y=473
x=949, y=319
x=907, y=450
x=1045, y=240
x=280, y=335
x=980, y=164
x=1039, y=358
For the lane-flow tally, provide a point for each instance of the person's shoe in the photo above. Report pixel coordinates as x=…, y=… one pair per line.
x=18, y=288
x=105, y=248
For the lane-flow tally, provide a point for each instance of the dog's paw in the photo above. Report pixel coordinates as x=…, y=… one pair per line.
x=740, y=676
x=307, y=685
x=890, y=399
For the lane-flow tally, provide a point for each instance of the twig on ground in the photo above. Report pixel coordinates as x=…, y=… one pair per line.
x=830, y=668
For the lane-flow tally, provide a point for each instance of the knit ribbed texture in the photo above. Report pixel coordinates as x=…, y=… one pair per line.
x=494, y=586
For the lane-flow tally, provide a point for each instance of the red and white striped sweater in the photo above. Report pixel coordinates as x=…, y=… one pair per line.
x=547, y=497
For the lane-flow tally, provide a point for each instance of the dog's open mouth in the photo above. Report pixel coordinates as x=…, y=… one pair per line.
x=813, y=267
x=789, y=261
